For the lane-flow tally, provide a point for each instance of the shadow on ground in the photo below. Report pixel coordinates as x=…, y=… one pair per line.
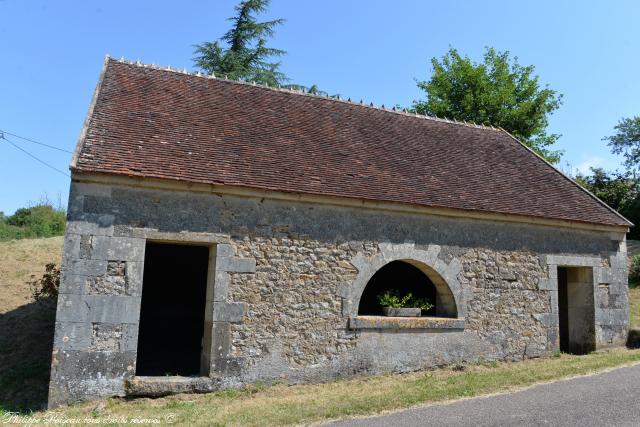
x=26, y=340
x=633, y=341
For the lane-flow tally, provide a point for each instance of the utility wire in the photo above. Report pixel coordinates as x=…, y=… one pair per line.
x=32, y=156
x=35, y=142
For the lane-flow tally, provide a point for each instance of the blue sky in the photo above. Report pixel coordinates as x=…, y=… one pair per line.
x=52, y=52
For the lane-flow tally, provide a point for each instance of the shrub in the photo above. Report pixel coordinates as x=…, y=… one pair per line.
x=42, y=220
x=46, y=288
x=634, y=272
x=393, y=298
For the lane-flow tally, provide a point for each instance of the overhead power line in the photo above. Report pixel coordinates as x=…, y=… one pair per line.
x=3, y=137
x=34, y=142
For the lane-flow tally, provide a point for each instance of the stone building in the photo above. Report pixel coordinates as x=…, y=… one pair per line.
x=222, y=233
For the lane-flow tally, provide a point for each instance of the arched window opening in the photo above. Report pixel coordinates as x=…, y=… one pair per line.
x=405, y=278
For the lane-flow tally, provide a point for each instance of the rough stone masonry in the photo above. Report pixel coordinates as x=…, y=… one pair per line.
x=287, y=279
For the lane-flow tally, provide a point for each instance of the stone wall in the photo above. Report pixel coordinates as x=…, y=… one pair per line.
x=507, y=304
x=286, y=278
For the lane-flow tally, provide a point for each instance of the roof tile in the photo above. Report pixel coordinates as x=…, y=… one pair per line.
x=155, y=123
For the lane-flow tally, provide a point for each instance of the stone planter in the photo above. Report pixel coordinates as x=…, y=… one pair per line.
x=401, y=312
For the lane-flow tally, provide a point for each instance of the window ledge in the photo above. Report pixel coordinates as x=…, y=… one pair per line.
x=384, y=322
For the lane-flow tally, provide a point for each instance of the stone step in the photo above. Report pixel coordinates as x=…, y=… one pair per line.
x=164, y=386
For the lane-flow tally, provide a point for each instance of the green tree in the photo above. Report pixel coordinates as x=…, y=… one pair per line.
x=245, y=54
x=626, y=141
x=621, y=191
x=499, y=91
x=615, y=189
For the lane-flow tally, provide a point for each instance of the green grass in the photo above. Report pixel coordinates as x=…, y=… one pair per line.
x=634, y=306
x=303, y=404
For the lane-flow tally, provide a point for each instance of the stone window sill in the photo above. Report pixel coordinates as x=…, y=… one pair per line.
x=423, y=323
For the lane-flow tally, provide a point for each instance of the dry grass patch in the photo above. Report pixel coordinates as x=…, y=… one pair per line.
x=19, y=259
x=302, y=404
x=26, y=327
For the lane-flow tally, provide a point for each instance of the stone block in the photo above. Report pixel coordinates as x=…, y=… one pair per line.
x=71, y=249
x=553, y=339
x=573, y=261
x=112, y=309
x=440, y=266
x=548, y=320
x=71, y=283
x=94, y=225
x=610, y=317
x=118, y=248
x=135, y=276
x=227, y=367
x=84, y=267
x=602, y=275
x=342, y=289
x=405, y=323
x=553, y=301
x=129, y=337
x=88, y=365
x=228, y=312
x=452, y=271
x=236, y=265
x=220, y=340
x=165, y=386
x=224, y=250
x=548, y=284
x=618, y=261
x=72, y=336
x=432, y=254
x=360, y=262
x=72, y=308
x=221, y=286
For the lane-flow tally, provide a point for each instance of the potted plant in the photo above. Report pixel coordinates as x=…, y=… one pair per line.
x=396, y=305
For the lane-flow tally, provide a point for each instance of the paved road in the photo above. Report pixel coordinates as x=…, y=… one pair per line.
x=608, y=399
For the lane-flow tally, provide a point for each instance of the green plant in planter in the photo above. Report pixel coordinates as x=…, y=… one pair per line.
x=392, y=298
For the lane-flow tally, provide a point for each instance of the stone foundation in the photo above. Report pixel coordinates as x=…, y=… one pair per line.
x=284, y=283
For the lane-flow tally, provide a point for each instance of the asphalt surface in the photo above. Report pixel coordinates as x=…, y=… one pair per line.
x=607, y=399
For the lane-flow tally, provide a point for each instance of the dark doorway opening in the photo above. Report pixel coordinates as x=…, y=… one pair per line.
x=576, y=310
x=398, y=275
x=172, y=313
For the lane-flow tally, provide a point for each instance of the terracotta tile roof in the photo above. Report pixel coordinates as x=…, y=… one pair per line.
x=152, y=122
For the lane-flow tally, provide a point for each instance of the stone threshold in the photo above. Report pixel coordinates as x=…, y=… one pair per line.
x=163, y=386
x=425, y=323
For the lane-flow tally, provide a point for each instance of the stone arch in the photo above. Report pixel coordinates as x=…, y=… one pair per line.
x=450, y=295
x=408, y=275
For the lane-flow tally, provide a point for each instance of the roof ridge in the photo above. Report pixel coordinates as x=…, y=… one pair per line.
x=348, y=101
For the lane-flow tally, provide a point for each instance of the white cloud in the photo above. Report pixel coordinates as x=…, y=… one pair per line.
x=592, y=162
